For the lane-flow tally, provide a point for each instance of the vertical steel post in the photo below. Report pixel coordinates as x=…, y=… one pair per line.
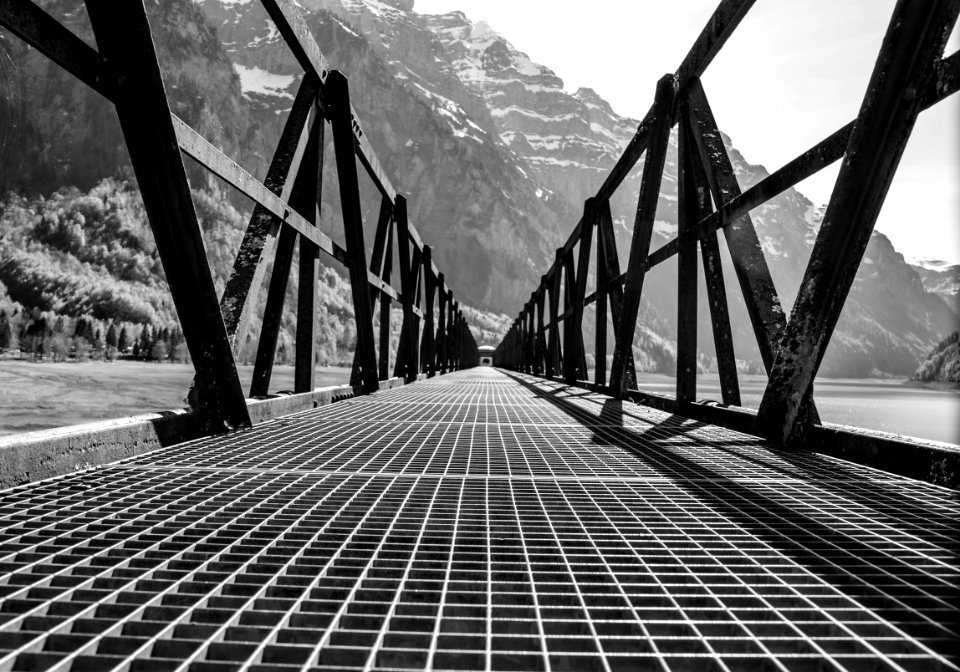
x=442, y=325
x=692, y=206
x=408, y=351
x=576, y=368
x=663, y=109
x=611, y=264
x=429, y=333
x=304, y=375
x=303, y=200
x=123, y=36
x=383, y=349
x=341, y=120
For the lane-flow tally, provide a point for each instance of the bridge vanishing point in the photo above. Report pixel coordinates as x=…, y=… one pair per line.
x=448, y=516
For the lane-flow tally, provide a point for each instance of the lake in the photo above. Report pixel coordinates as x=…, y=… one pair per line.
x=40, y=395
x=884, y=405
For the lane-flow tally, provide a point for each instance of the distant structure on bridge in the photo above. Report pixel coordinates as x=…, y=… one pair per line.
x=486, y=352
x=498, y=520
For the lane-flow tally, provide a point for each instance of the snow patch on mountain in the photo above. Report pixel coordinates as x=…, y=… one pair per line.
x=513, y=109
x=375, y=7
x=481, y=36
x=563, y=163
x=271, y=35
x=459, y=121
x=668, y=229
x=347, y=28
x=929, y=264
x=254, y=80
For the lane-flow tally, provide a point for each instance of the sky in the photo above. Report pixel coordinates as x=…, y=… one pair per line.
x=792, y=73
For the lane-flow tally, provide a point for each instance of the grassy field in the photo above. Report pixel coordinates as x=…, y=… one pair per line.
x=38, y=395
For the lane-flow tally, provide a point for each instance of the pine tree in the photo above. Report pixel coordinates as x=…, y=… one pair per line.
x=146, y=341
x=160, y=350
x=88, y=332
x=38, y=333
x=6, y=333
x=178, y=346
x=23, y=336
x=123, y=340
x=112, y=336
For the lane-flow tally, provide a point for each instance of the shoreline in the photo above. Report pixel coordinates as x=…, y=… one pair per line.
x=945, y=386
x=942, y=385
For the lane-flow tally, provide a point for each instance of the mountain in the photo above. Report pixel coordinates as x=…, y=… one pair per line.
x=493, y=228
x=495, y=156
x=569, y=141
x=59, y=132
x=941, y=278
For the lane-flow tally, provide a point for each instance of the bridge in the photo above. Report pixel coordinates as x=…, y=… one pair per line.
x=445, y=515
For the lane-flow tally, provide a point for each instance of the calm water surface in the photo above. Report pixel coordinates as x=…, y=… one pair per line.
x=36, y=396
x=885, y=405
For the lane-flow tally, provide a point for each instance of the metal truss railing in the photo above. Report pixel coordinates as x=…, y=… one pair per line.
x=911, y=74
x=126, y=72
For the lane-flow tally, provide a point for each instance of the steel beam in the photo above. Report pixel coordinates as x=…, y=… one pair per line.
x=243, y=286
x=304, y=375
x=693, y=201
x=341, y=119
x=123, y=33
x=408, y=351
x=663, y=106
x=304, y=198
x=913, y=43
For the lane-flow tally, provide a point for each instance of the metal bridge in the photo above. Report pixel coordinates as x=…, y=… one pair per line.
x=445, y=516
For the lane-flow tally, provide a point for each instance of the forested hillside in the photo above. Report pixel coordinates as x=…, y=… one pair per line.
x=942, y=365
x=84, y=266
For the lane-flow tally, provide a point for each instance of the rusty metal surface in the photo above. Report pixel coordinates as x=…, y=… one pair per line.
x=908, y=58
x=479, y=521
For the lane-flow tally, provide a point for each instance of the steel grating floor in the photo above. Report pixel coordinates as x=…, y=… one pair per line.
x=480, y=521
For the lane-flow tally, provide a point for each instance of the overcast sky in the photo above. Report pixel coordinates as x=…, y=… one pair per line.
x=793, y=72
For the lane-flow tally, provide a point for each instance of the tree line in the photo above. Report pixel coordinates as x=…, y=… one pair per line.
x=44, y=336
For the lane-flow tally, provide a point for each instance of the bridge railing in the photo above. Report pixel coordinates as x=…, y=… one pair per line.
x=910, y=75
x=125, y=70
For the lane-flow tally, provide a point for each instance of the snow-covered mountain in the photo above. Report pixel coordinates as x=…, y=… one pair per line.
x=497, y=158
x=941, y=278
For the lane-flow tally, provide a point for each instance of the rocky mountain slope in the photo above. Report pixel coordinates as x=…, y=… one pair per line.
x=493, y=227
x=941, y=278
x=495, y=154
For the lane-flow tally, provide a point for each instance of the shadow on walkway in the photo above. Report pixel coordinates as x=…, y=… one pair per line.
x=891, y=584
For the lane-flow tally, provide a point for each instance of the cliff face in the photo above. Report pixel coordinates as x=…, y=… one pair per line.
x=940, y=278
x=59, y=132
x=486, y=216
x=495, y=155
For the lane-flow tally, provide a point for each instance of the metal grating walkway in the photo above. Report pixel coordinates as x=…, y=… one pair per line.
x=480, y=521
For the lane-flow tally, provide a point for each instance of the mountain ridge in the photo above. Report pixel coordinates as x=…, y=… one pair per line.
x=497, y=158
